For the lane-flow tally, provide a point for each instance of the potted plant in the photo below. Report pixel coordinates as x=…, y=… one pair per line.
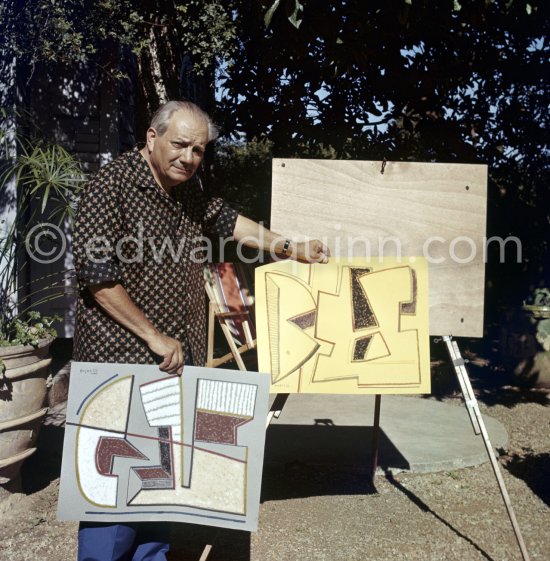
x=540, y=308
x=538, y=314
x=39, y=183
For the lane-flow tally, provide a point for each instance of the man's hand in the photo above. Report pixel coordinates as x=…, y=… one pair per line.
x=171, y=351
x=313, y=251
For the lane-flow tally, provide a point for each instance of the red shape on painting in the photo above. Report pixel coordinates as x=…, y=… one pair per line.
x=108, y=447
x=218, y=428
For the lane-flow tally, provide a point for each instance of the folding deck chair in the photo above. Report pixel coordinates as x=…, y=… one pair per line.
x=231, y=303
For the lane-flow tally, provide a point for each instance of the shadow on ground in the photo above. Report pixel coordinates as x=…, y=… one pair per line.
x=492, y=376
x=534, y=469
x=297, y=480
x=187, y=541
x=316, y=460
x=44, y=466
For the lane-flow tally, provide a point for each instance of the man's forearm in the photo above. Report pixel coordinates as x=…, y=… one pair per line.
x=116, y=302
x=255, y=235
x=252, y=234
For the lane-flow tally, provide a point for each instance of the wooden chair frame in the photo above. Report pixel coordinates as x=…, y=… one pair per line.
x=216, y=313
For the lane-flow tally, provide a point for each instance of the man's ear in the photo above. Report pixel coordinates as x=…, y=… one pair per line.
x=152, y=135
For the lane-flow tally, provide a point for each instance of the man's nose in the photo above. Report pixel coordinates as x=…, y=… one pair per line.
x=186, y=155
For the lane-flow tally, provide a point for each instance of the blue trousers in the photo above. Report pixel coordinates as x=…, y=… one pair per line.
x=121, y=542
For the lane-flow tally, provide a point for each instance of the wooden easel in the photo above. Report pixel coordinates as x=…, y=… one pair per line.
x=478, y=425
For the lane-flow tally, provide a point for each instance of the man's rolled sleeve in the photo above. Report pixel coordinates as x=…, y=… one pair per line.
x=97, y=230
x=95, y=273
x=220, y=218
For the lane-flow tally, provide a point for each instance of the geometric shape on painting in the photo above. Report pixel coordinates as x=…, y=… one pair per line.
x=159, y=477
x=154, y=477
x=165, y=445
x=219, y=483
x=305, y=321
x=161, y=401
x=95, y=487
x=370, y=347
x=392, y=355
x=108, y=408
x=360, y=347
x=361, y=312
x=162, y=404
x=273, y=320
x=109, y=447
x=218, y=427
x=410, y=307
x=232, y=398
x=288, y=298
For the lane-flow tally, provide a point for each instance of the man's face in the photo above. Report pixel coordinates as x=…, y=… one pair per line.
x=176, y=155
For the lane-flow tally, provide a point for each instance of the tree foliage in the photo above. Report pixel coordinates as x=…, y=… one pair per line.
x=472, y=73
x=160, y=34
x=457, y=81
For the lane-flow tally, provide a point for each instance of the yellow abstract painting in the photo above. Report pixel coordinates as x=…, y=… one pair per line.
x=357, y=326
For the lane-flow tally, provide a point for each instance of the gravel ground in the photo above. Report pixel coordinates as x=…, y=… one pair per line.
x=448, y=515
x=322, y=513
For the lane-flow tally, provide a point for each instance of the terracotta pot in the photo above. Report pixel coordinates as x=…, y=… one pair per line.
x=23, y=388
x=538, y=312
x=520, y=348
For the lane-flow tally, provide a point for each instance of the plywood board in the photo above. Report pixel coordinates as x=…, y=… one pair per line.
x=143, y=446
x=354, y=327
x=434, y=210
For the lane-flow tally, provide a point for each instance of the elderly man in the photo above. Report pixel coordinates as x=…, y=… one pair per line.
x=138, y=239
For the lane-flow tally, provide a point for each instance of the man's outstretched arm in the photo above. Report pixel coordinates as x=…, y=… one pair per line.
x=252, y=234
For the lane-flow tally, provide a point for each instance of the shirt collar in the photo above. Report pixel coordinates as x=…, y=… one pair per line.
x=140, y=172
x=142, y=176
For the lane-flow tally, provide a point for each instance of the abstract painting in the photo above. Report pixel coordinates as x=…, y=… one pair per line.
x=143, y=446
x=350, y=326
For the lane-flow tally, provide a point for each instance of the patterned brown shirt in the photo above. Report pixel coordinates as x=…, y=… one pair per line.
x=128, y=229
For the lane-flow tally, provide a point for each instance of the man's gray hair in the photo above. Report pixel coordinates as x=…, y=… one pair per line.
x=163, y=114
